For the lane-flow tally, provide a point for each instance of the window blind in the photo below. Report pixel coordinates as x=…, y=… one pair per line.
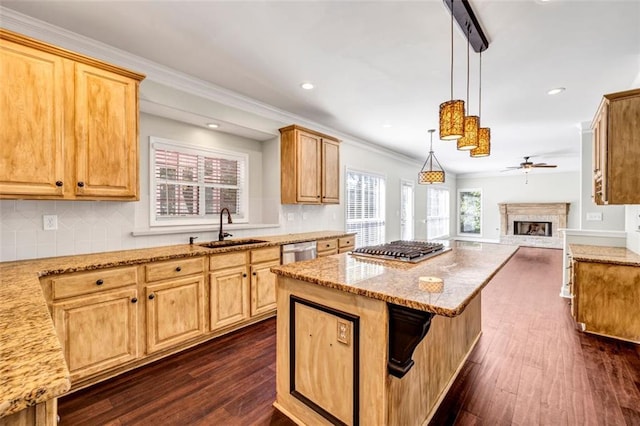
x=189, y=183
x=365, y=207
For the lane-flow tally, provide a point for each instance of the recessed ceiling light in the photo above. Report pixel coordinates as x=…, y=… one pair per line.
x=556, y=91
x=213, y=125
x=386, y=125
x=307, y=86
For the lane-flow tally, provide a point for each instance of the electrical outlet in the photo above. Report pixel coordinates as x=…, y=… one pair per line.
x=343, y=332
x=291, y=216
x=50, y=222
x=594, y=216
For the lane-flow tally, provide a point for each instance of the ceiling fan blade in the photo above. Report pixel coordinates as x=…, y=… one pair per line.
x=544, y=165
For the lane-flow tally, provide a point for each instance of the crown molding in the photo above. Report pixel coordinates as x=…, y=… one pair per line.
x=24, y=24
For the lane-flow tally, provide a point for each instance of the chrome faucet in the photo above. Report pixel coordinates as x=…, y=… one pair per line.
x=221, y=234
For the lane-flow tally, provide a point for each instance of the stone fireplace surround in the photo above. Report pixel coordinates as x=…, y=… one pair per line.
x=556, y=213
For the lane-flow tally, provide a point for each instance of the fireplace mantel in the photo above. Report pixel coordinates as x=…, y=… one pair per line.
x=556, y=213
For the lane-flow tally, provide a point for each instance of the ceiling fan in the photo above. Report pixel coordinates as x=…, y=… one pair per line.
x=526, y=165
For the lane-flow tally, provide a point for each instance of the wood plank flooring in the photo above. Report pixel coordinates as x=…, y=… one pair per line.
x=530, y=367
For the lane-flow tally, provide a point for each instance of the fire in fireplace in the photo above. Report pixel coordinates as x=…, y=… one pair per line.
x=538, y=229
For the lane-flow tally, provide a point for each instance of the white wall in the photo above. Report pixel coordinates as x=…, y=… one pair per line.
x=632, y=227
x=95, y=226
x=541, y=188
x=612, y=216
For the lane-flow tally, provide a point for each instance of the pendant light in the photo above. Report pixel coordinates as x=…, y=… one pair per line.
x=452, y=111
x=471, y=122
x=431, y=175
x=484, y=133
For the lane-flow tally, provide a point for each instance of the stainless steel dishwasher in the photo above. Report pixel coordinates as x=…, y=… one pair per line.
x=299, y=251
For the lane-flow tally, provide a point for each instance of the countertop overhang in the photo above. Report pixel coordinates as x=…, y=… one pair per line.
x=604, y=254
x=465, y=270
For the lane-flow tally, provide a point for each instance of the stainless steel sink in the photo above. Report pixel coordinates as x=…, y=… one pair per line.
x=230, y=243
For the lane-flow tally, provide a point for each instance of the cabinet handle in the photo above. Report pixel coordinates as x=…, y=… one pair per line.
x=80, y=184
x=58, y=183
x=254, y=274
x=134, y=300
x=244, y=275
x=99, y=282
x=152, y=296
x=178, y=269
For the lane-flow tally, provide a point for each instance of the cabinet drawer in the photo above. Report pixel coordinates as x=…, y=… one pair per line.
x=265, y=254
x=91, y=282
x=327, y=245
x=227, y=260
x=173, y=269
x=346, y=242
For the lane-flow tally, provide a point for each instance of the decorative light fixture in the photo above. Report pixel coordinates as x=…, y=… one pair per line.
x=484, y=133
x=213, y=125
x=471, y=122
x=556, y=90
x=431, y=175
x=452, y=111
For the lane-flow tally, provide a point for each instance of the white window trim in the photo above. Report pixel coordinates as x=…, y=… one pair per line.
x=448, y=231
x=411, y=184
x=187, y=148
x=383, y=205
x=467, y=234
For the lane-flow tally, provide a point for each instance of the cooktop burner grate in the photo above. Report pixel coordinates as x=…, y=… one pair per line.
x=406, y=251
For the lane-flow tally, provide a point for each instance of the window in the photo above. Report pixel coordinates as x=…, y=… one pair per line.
x=437, y=213
x=190, y=185
x=365, y=207
x=406, y=210
x=470, y=212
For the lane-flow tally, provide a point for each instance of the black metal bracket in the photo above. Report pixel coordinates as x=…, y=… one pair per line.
x=466, y=19
x=407, y=328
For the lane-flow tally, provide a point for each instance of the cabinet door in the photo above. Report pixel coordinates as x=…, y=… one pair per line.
x=263, y=288
x=228, y=296
x=309, y=165
x=106, y=108
x=32, y=103
x=330, y=172
x=98, y=332
x=175, y=312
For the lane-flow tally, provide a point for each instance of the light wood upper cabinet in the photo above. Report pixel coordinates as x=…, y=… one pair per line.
x=70, y=124
x=616, y=151
x=106, y=106
x=31, y=154
x=310, y=167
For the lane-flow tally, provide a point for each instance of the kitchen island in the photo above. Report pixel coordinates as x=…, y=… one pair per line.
x=366, y=341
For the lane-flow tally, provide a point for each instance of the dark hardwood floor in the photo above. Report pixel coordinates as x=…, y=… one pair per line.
x=530, y=367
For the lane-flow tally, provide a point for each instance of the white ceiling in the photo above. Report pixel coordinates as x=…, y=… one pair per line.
x=387, y=62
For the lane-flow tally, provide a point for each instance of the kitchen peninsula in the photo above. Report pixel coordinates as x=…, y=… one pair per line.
x=366, y=341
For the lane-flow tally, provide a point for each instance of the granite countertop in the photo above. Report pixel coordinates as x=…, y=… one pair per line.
x=604, y=254
x=465, y=269
x=32, y=366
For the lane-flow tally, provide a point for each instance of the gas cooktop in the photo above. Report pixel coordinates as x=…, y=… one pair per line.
x=405, y=251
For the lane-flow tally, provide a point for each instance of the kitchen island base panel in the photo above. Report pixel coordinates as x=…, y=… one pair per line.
x=42, y=414
x=384, y=399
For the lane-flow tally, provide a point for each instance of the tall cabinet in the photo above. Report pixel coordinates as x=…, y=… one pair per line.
x=310, y=167
x=69, y=124
x=616, y=151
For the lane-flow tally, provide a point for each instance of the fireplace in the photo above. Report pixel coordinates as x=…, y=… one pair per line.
x=539, y=229
x=533, y=224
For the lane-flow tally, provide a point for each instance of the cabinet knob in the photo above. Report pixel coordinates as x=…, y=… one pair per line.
x=254, y=274
x=152, y=296
x=317, y=196
x=134, y=300
x=178, y=269
x=58, y=183
x=99, y=282
x=328, y=245
x=244, y=275
x=80, y=184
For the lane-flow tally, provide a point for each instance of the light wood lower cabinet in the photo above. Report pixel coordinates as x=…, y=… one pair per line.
x=263, y=288
x=43, y=414
x=327, y=247
x=346, y=244
x=99, y=331
x=605, y=299
x=228, y=296
x=175, y=312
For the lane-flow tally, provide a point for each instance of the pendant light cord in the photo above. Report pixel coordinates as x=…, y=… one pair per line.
x=451, y=50
x=468, y=42
x=480, y=88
